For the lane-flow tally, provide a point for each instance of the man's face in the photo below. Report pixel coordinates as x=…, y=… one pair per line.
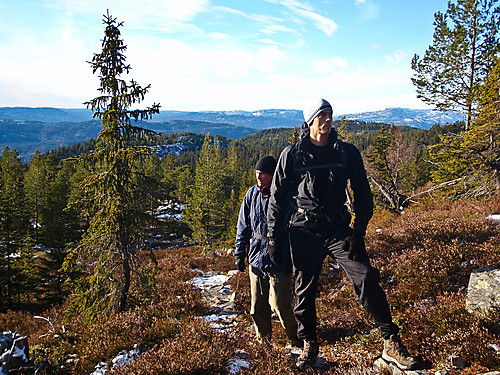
x=263, y=178
x=322, y=123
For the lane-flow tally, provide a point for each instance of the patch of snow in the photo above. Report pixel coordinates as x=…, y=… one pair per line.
x=100, y=369
x=495, y=347
x=494, y=217
x=238, y=362
x=124, y=357
x=204, y=281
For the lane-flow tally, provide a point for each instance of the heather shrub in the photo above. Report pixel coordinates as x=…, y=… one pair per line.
x=441, y=328
x=197, y=349
x=425, y=256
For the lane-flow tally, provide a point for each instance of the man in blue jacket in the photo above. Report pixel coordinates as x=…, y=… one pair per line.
x=314, y=173
x=270, y=279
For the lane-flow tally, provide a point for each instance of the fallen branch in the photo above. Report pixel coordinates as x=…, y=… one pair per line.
x=447, y=183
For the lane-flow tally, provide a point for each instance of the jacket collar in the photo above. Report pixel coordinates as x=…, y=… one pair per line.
x=266, y=190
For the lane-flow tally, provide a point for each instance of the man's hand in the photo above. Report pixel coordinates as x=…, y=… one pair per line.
x=274, y=250
x=355, y=244
x=240, y=264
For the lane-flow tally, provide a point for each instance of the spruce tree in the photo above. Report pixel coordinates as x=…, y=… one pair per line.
x=34, y=186
x=204, y=209
x=481, y=144
x=111, y=196
x=463, y=50
x=13, y=225
x=233, y=176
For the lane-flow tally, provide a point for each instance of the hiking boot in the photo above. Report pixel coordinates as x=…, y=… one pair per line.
x=396, y=352
x=308, y=355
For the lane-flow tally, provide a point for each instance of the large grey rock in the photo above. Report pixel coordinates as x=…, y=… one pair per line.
x=483, y=293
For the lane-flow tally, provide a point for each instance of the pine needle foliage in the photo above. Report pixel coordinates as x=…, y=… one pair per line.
x=463, y=50
x=205, y=208
x=473, y=156
x=112, y=197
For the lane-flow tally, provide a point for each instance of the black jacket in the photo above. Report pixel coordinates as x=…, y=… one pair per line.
x=299, y=199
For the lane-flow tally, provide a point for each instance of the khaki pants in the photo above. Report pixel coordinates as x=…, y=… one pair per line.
x=271, y=293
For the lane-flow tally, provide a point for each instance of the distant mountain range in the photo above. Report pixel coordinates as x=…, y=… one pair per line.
x=28, y=129
x=417, y=118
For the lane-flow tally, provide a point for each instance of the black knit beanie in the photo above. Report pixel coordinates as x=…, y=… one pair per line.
x=266, y=164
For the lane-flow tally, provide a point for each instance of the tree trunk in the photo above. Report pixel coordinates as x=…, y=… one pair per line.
x=390, y=197
x=126, y=283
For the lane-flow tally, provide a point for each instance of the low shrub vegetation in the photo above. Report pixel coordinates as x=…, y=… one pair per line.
x=425, y=256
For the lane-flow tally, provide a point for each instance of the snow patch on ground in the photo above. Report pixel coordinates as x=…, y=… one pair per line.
x=124, y=357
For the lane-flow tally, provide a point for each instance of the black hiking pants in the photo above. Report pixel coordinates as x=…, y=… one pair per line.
x=308, y=253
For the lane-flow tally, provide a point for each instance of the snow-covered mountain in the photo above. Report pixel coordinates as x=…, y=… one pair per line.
x=29, y=129
x=260, y=119
x=417, y=118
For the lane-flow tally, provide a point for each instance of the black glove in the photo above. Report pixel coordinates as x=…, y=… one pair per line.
x=274, y=250
x=355, y=244
x=240, y=264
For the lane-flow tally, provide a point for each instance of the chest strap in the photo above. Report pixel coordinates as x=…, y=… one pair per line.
x=259, y=236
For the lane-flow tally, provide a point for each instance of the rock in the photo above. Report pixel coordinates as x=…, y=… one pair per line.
x=483, y=293
x=457, y=362
x=14, y=352
x=391, y=368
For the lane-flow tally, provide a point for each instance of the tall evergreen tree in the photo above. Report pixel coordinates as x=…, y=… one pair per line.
x=204, y=210
x=13, y=223
x=232, y=184
x=34, y=186
x=482, y=141
x=463, y=50
x=112, y=198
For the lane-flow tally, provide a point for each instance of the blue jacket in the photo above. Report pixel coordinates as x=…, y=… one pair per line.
x=252, y=223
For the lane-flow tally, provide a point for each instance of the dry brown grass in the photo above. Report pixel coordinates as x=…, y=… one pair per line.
x=425, y=257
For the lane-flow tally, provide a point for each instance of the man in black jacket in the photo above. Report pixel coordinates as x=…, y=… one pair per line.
x=307, y=203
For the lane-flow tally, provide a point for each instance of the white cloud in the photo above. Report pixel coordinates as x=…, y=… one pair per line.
x=269, y=41
x=165, y=12
x=326, y=66
x=218, y=36
x=273, y=29
x=327, y=25
x=397, y=57
x=368, y=10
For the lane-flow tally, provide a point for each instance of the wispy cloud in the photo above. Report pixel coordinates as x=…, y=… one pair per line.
x=273, y=29
x=269, y=41
x=165, y=12
x=221, y=36
x=327, y=66
x=306, y=12
x=368, y=10
x=396, y=56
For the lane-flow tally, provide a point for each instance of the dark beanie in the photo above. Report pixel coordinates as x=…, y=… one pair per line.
x=266, y=164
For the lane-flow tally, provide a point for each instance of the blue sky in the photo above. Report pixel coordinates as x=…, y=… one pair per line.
x=220, y=54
